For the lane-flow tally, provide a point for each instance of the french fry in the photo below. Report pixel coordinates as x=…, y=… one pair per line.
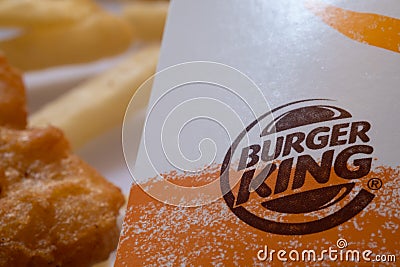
x=147, y=18
x=34, y=13
x=99, y=103
x=61, y=32
x=96, y=36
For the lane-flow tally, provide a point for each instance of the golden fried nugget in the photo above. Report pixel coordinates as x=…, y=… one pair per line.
x=12, y=97
x=55, y=210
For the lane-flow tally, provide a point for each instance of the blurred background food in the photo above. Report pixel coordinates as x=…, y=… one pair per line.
x=82, y=61
x=62, y=45
x=112, y=90
x=76, y=31
x=146, y=18
x=55, y=32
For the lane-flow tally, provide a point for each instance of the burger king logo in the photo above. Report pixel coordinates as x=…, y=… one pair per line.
x=303, y=173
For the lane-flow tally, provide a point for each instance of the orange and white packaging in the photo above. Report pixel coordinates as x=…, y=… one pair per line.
x=271, y=138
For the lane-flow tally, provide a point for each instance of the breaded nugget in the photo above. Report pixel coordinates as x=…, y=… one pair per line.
x=12, y=97
x=55, y=210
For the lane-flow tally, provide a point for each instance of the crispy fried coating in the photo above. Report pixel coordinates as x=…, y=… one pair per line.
x=55, y=210
x=12, y=97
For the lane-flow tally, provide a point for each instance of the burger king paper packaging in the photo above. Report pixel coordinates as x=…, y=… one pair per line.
x=271, y=137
